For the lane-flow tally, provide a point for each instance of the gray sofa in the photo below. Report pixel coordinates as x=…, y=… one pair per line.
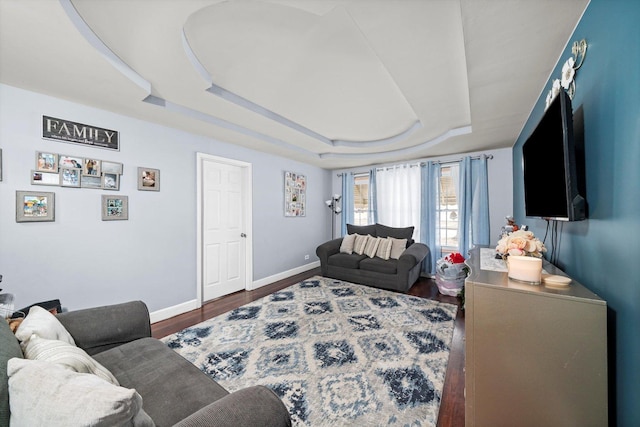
x=174, y=391
x=392, y=274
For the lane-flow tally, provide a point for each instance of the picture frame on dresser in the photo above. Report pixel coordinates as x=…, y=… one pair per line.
x=35, y=206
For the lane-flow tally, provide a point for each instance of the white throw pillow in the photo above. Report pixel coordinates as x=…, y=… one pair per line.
x=397, y=247
x=360, y=243
x=384, y=248
x=44, y=324
x=346, y=247
x=46, y=394
x=65, y=354
x=372, y=246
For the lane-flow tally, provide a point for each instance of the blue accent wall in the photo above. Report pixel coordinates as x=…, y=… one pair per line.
x=603, y=252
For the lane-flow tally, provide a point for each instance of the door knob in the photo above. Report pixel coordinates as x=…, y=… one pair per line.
x=243, y=235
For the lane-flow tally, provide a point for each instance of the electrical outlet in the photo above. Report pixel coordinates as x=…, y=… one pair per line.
x=306, y=257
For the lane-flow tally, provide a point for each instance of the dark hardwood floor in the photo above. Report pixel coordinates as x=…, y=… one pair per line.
x=452, y=404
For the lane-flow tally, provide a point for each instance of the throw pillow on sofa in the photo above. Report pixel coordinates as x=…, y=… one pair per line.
x=384, y=248
x=397, y=247
x=65, y=354
x=43, y=393
x=360, y=243
x=371, y=247
x=44, y=324
x=346, y=247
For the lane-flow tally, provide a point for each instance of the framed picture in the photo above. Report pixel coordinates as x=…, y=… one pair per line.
x=46, y=162
x=70, y=177
x=91, y=167
x=110, y=181
x=70, y=162
x=115, y=208
x=111, y=167
x=45, y=178
x=148, y=179
x=90, y=181
x=295, y=194
x=35, y=206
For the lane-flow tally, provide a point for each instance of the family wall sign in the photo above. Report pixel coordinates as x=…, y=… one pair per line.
x=79, y=133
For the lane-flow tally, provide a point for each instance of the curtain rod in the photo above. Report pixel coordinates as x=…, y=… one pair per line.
x=440, y=162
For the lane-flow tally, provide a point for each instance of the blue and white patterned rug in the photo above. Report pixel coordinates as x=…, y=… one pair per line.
x=336, y=353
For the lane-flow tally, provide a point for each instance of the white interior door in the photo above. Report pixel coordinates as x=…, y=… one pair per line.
x=223, y=228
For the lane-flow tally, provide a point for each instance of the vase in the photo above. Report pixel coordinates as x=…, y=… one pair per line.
x=525, y=269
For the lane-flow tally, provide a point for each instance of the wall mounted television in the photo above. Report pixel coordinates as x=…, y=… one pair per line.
x=554, y=167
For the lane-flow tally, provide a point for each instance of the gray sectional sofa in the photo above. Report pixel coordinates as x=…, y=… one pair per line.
x=174, y=391
x=392, y=274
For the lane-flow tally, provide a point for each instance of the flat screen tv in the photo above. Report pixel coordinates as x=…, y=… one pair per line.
x=553, y=176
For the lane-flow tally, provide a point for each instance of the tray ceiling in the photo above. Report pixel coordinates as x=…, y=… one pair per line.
x=331, y=83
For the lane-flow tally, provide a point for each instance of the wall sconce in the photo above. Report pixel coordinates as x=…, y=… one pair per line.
x=334, y=205
x=567, y=80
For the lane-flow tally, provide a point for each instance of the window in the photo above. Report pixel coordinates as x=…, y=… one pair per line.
x=361, y=199
x=447, y=225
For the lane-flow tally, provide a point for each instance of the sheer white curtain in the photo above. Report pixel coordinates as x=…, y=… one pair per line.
x=398, y=194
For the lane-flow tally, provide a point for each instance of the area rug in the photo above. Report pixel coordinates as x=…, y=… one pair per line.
x=336, y=353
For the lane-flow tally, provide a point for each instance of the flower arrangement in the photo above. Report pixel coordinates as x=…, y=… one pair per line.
x=520, y=243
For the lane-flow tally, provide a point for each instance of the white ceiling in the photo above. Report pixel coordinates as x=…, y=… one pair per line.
x=334, y=83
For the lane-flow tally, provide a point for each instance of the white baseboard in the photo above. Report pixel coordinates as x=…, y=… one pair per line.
x=271, y=279
x=169, y=312
x=187, y=306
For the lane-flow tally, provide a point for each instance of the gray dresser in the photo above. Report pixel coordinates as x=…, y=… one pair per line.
x=535, y=355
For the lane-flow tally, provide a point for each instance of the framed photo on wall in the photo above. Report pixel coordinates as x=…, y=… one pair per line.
x=110, y=181
x=90, y=181
x=35, y=206
x=111, y=167
x=115, y=208
x=70, y=162
x=91, y=167
x=70, y=177
x=148, y=179
x=295, y=194
x=45, y=178
x=46, y=162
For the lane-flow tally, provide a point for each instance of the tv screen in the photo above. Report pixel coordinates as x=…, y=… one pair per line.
x=551, y=173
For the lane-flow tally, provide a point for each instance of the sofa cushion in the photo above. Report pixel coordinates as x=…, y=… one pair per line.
x=44, y=324
x=380, y=265
x=362, y=229
x=172, y=388
x=397, y=247
x=395, y=232
x=345, y=260
x=66, y=355
x=43, y=393
x=346, y=247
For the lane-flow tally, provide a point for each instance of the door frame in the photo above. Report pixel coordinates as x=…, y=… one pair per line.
x=247, y=189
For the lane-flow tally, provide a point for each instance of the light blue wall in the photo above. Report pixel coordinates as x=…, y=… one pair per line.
x=602, y=252
x=86, y=262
